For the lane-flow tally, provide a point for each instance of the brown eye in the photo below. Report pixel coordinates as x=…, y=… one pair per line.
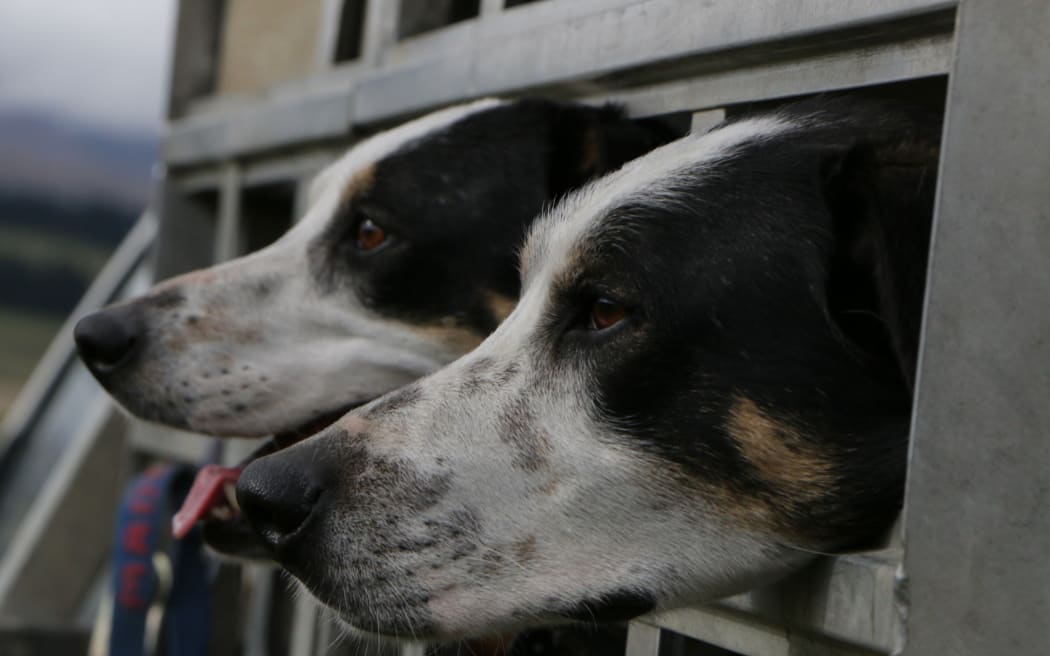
x=606, y=313
x=370, y=236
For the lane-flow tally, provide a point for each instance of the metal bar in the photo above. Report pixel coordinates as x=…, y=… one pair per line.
x=290, y=166
x=228, y=228
x=562, y=48
x=509, y=56
x=199, y=180
x=304, y=627
x=643, y=639
x=46, y=375
x=60, y=544
x=892, y=62
x=329, y=27
x=705, y=120
x=976, y=523
x=491, y=8
x=168, y=443
x=380, y=30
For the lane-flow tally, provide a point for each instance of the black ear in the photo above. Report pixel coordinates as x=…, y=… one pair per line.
x=588, y=142
x=880, y=190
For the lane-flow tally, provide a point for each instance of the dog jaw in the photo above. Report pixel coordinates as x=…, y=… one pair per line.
x=441, y=523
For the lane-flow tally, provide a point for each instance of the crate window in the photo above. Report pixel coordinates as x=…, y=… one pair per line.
x=267, y=211
x=419, y=16
x=351, y=30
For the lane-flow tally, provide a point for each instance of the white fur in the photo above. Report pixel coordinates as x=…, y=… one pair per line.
x=600, y=515
x=647, y=178
x=327, y=187
x=297, y=353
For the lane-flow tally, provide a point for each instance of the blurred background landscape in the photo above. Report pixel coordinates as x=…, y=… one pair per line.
x=81, y=106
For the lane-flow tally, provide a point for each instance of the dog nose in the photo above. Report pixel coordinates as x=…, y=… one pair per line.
x=277, y=493
x=106, y=339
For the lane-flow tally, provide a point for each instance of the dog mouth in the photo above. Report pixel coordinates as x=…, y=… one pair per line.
x=213, y=496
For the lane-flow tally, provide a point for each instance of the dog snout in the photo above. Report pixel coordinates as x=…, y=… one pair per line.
x=278, y=493
x=109, y=338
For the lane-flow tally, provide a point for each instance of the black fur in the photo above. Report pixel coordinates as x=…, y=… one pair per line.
x=789, y=275
x=457, y=204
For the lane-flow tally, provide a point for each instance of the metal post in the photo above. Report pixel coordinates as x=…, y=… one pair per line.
x=643, y=639
x=227, y=230
x=977, y=526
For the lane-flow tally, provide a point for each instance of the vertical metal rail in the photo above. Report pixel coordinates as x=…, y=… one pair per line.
x=977, y=518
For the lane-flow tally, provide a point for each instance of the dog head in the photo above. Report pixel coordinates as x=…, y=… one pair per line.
x=403, y=261
x=706, y=379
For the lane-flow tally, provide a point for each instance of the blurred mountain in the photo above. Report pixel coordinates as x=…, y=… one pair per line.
x=74, y=162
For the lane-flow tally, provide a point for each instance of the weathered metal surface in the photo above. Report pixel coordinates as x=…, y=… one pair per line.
x=870, y=65
x=976, y=539
x=643, y=639
x=977, y=521
x=838, y=605
x=570, y=48
x=63, y=540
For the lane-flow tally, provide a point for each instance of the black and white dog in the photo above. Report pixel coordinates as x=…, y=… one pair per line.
x=404, y=261
x=707, y=379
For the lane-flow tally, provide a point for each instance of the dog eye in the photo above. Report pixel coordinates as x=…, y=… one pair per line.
x=370, y=236
x=606, y=313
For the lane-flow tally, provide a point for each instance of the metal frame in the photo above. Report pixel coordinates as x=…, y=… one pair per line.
x=976, y=520
x=57, y=551
x=979, y=470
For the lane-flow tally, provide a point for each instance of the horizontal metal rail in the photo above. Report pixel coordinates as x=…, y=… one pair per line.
x=588, y=48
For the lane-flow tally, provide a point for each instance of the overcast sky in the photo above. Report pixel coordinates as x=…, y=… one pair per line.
x=104, y=62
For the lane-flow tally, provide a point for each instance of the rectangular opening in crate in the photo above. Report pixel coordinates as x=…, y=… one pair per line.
x=351, y=30
x=419, y=16
x=267, y=211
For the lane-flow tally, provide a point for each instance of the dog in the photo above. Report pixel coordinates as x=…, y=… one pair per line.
x=707, y=379
x=404, y=260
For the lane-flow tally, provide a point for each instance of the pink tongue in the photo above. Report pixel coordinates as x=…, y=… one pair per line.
x=207, y=488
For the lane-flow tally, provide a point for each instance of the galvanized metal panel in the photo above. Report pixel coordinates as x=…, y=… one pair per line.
x=977, y=521
x=661, y=30
x=661, y=56
x=562, y=47
x=288, y=118
x=643, y=639
x=892, y=62
x=839, y=605
x=63, y=540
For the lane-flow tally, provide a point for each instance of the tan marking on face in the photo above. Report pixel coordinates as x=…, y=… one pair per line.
x=359, y=184
x=458, y=338
x=550, y=487
x=208, y=327
x=197, y=278
x=499, y=305
x=353, y=424
x=779, y=453
x=524, y=551
x=795, y=473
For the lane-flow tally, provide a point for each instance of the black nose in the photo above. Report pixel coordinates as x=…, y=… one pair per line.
x=278, y=493
x=108, y=338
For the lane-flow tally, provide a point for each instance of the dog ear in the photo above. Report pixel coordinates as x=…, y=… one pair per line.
x=588, y=142
x=880, y=191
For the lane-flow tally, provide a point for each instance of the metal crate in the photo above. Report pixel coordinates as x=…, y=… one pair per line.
x=966, y=570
